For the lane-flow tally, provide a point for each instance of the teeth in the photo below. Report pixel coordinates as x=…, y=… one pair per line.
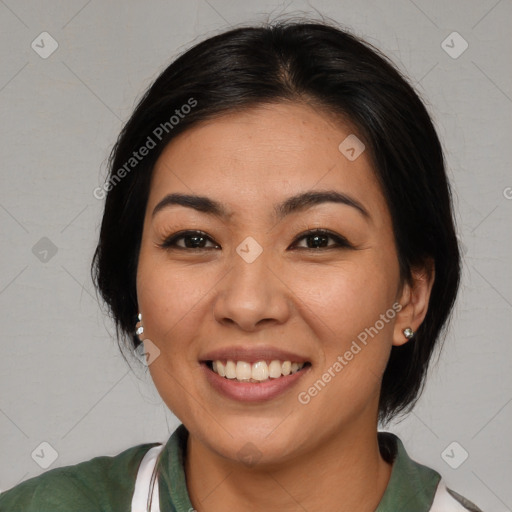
x=274, y=369
x=221, y=369
x=243, y=370
x=260, y=371
x=230, y=370
x=257, y=372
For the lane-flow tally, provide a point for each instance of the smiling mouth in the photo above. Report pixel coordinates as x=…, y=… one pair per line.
x=260, y=371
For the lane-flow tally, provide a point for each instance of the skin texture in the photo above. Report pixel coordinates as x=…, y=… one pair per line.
x=322, y=455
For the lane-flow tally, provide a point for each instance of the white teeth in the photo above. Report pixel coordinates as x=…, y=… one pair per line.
x=230, y=370
x=243, y=370
x=221, y=369
x=274, y=369
x=257, y=372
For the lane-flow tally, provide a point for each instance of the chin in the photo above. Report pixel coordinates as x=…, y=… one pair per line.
x=253, y=442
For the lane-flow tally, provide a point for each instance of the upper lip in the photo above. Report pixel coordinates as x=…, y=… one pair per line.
x=252, y=354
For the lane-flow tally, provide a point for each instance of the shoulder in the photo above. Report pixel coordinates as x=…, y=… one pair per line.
x=414, y=485
x=100, y=484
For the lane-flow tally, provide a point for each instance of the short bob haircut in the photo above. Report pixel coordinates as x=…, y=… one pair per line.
x=317, y=64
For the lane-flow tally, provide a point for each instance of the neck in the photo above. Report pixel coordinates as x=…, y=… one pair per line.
x=344, y=472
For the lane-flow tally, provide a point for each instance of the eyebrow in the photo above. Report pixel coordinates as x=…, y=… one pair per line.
x=299, y=202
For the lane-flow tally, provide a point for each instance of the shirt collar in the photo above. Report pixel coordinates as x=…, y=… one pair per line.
x=411, y=486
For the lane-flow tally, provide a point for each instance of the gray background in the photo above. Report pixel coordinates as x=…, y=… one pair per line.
x=63, y=380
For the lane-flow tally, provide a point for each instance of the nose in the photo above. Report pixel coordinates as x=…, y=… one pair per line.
x=252, y=295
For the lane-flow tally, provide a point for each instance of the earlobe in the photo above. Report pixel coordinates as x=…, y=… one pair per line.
x=414, y=300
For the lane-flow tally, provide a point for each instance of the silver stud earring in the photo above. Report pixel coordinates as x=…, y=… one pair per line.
x=140, y=329
x=408, y=333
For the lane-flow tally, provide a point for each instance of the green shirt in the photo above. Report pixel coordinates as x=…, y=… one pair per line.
x=106, y=484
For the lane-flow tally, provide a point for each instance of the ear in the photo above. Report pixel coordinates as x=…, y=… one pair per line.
x=414, y=299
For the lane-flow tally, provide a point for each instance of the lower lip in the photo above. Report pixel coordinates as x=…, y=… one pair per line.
x=252, y=391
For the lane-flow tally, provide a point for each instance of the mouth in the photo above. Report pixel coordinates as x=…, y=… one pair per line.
x=253, y=373
x=256, y=372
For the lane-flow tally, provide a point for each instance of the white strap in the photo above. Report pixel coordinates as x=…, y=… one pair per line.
x=445, y=502
x=143, y=483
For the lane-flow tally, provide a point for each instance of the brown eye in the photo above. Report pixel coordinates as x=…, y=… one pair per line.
x=191, y=240
x=319, y=239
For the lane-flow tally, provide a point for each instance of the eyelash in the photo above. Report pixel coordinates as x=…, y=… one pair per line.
x=341, y=242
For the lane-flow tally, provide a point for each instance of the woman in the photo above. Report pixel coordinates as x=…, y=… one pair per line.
x=278, y=243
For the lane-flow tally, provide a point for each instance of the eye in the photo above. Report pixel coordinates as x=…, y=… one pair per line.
x=318, y=239
x=198, y=240
x=192, y=240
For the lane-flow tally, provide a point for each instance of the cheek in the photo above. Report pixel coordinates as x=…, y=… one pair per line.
x=347, y=298
x=350, y=311
x=164, y=302
x=165, y=295
x=172, y=298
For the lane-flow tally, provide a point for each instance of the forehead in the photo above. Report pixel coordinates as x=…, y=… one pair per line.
x=253, y=158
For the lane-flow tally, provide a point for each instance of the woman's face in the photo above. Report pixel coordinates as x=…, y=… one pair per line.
x=253, y=286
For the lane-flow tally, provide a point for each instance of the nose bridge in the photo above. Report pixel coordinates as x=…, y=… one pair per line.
x=251, y=268
x=251, y=291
